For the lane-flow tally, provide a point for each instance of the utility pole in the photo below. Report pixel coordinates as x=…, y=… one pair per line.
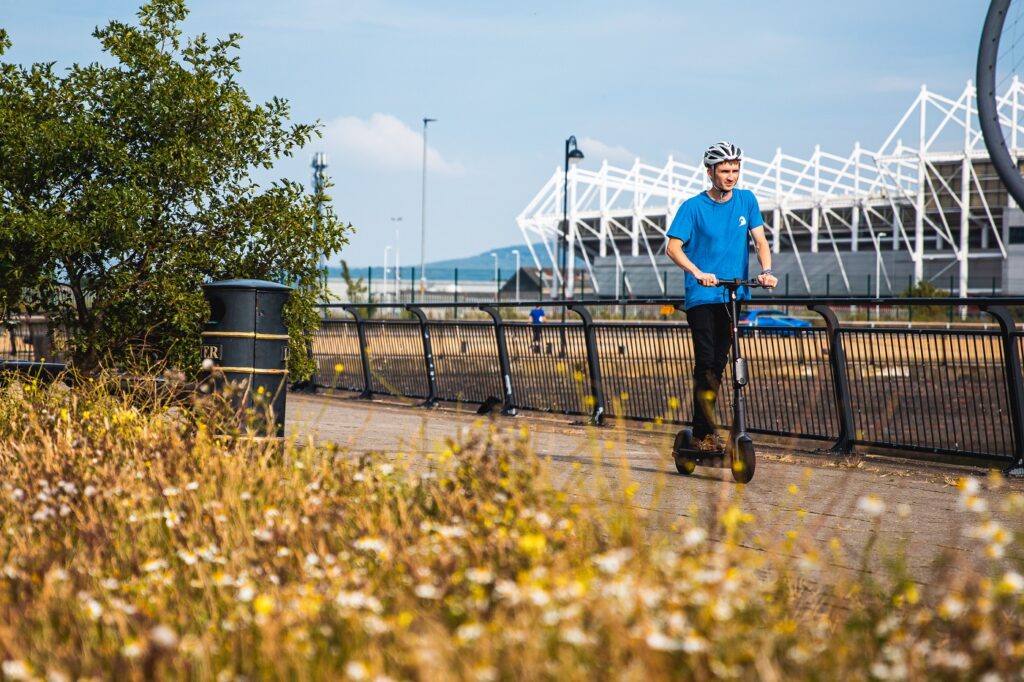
x=423, y=214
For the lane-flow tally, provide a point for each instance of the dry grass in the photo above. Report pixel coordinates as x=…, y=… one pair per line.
x=134, y=545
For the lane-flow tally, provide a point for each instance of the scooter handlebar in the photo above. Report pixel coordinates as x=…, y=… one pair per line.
x=737, y=283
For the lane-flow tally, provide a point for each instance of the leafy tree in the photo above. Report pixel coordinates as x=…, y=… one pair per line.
x=927, y=313
x=126, y=185
x=356, y=288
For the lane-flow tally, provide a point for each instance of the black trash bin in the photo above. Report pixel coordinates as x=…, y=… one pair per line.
x=247, y=340
x=39, y=338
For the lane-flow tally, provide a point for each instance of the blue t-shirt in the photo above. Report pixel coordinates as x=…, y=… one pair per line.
x=536, y=314
x=714, y=237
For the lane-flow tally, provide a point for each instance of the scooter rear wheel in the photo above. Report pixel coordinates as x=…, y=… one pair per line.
x=683, y=442
x=744, y=460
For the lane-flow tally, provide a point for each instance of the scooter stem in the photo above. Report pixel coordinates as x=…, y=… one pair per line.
x=739, y=371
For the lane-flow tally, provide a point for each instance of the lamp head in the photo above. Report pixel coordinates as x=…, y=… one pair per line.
x=573, y=155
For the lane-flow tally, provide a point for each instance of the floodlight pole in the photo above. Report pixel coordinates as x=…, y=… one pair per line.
x=423, y=214
x=516, y=252
x=497, y=286
x=395, y=220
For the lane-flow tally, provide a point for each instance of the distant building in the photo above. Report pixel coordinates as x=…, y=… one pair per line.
x=535, y=284
x=866, y=222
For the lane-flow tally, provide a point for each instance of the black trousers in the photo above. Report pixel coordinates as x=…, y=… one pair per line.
x=711, y=328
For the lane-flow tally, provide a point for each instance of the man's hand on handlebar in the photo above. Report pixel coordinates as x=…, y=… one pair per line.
x=765, y=279
x=707, y=279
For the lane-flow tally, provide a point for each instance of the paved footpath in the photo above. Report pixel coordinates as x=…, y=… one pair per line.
x=793, y=489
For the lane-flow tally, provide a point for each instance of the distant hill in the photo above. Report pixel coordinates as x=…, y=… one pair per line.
x=478, y=268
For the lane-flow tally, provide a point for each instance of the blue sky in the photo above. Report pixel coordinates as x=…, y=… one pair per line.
x=508, y=82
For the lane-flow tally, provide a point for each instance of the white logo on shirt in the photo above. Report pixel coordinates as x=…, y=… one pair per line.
x=743, y=221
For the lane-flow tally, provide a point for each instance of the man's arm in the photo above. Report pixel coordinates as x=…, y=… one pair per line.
x=764, y=255
x=674, y=250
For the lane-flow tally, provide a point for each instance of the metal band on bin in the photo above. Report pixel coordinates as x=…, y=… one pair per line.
x=249, y=335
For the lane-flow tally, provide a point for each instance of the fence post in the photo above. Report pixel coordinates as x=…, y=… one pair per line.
x=622, y=293
x=428, y=357
x=508, y=405
x=840, y=381
x=597, y=417
x=456, y=301
x=363, y=350
x=1014, y=384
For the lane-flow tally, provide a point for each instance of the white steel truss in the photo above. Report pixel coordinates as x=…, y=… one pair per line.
x=926, y=170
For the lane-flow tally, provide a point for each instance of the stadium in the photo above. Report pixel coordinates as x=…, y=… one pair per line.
x=925, y=205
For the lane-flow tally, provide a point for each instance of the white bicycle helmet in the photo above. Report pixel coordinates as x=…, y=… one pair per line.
x=721, y=151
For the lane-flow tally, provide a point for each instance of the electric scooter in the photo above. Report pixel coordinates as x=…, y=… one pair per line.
x=739, y=449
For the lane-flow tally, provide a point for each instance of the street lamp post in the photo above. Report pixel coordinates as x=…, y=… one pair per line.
x=395, y=220
x=423, y=214
x=386, y=249
x=516, y=252
x=572, y=156
x=878, y=263
x=878, y=268
x=494, y=255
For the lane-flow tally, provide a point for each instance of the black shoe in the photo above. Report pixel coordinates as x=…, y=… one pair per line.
x=710, y=443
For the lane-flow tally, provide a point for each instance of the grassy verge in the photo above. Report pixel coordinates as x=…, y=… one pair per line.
x=135, y=545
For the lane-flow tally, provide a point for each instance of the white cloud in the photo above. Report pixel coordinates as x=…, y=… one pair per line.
x=385, y=142
x=599, y=151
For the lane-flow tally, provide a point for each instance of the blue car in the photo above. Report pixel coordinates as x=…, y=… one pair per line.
x=773, y=322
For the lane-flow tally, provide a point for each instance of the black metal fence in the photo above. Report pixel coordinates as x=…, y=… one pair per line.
x=954, y=390
x=26, y=338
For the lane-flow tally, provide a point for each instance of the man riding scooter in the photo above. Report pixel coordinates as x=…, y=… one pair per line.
x=708, y=240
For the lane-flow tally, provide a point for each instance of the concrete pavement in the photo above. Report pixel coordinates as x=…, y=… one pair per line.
x=794, y=489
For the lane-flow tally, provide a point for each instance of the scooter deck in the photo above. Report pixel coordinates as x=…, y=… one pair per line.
x=717, y=460
x=740, y=457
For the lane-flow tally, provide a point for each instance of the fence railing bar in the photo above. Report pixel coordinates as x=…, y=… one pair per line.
x=428, y=357
x=508, y=404
x=363, y=354
x=594, y=368
x=1014, y=383
x=781, y=301
x=840, y=381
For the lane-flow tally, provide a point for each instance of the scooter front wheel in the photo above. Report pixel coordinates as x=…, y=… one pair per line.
x=683, y=442
x=744, y=460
